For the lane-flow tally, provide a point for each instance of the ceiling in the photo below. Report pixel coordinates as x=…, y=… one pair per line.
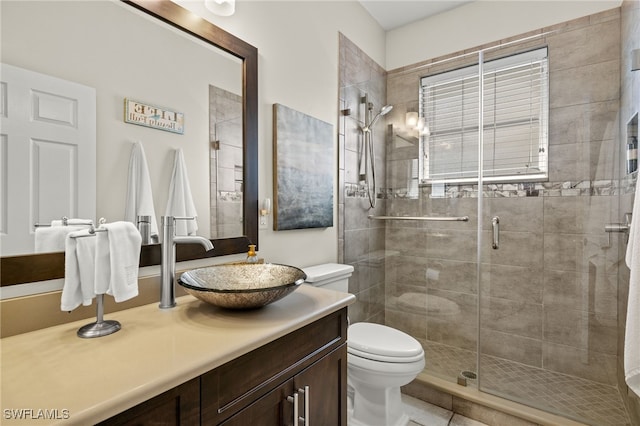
x=392, y=14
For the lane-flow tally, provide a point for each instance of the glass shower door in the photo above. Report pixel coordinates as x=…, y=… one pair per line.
x=548, y=305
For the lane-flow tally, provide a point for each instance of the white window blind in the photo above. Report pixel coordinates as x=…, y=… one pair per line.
x=515, y=115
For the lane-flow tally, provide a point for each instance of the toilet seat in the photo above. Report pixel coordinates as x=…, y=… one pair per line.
x=381, y=343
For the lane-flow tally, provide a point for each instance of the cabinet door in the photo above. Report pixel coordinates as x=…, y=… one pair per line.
x=326, y=384
x=272, y=409
x=178, y=406
x=327, y=389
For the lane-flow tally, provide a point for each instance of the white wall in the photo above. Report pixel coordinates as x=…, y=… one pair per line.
x=297, y=44
x=480, y=22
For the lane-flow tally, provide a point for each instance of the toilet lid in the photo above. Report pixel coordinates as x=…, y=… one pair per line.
x=382, y=343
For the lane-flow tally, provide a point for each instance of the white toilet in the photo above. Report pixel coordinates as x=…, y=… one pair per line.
x=380, y=359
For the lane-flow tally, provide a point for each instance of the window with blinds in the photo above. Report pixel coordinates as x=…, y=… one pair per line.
x=515, y=121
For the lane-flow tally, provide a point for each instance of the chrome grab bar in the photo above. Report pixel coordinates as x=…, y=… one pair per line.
x=425, y=218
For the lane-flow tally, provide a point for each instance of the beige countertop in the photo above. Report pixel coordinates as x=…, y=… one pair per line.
x=53, y=373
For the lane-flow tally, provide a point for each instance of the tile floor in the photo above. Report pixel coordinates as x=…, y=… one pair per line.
x=424, y=414
x=582, y=400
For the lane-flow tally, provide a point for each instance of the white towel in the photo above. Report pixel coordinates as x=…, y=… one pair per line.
x=139, y=194
x=102, y=262
x=632, y=331
x=117, y=260
x=52, y=238
x=180, y=202
x=78, y=270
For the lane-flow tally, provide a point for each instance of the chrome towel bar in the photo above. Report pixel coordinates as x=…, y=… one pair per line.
x=426, y=218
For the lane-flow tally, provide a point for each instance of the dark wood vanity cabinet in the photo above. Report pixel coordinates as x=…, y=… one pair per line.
x=319, y=386
x=177, y=406
x=260, y=387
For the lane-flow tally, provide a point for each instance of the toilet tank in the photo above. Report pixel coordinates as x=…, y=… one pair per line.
x=334, y=276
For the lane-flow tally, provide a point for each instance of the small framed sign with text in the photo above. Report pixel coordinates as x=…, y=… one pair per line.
x=152, y=116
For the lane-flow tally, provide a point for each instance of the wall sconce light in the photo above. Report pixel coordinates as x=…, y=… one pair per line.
x=635, y=60
x=414, y=121
x=265, y=211
x=411, y=119
x=221, y=7
x=422, y=127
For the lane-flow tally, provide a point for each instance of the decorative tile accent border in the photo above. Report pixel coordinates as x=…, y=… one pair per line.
x=625, y=185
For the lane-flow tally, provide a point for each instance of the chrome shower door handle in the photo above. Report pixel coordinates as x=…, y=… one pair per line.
x=495, y=226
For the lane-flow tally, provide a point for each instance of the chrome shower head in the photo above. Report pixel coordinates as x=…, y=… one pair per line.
x=384, y=111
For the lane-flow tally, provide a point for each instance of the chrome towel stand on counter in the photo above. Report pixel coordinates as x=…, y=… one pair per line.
x=100, y=327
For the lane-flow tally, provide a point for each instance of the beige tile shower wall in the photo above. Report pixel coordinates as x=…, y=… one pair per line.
x=629, y=105
x=549, y=296
x=361, y=241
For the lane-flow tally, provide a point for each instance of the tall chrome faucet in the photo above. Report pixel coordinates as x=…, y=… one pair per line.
x=168, y=266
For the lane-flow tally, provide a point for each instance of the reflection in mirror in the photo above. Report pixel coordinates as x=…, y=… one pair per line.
x=182, y=56
x=225, y=128
x=177, y=78
x=48, y=159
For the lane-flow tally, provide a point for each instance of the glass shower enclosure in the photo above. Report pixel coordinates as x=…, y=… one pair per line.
x=497, y=259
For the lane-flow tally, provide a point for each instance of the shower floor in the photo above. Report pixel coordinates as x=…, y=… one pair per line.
x=579, y=399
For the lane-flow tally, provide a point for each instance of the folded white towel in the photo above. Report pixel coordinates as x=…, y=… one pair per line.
x=139, y=195
x=102, y=262
x=117, y=260
x=52, y=238
x=632, y=331
x=78, y=270
x=180, y=202
x=86, y=254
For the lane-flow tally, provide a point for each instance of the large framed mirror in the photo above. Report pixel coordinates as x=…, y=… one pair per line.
x=26, y=268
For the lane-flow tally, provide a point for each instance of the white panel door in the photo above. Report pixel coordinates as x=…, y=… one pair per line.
x=47, y=154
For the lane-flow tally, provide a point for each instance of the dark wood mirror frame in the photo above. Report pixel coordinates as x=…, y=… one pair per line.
x=48, y=266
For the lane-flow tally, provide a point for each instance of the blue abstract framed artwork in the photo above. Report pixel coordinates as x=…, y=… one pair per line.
x=303, y=170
